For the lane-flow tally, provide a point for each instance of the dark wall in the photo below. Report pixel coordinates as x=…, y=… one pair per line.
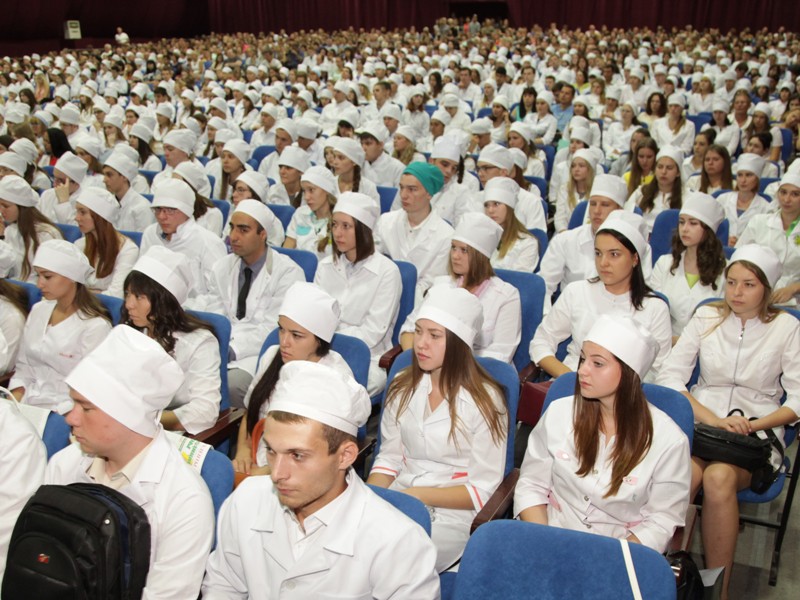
x=37, y=25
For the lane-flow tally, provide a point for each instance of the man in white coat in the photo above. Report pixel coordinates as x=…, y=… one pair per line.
x=417, y=234
x=379, y=167
x=118, y=392
x=119, y=172
x=313, y=529
x=251, y=300
x=173, y=204
x=23, y=459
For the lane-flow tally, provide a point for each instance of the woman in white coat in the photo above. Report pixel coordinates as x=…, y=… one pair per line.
x=692, y=272
x=348, y=163
x=674, y=129
x=743, y=204
x=576, y=187
x=110, y=253
x=61, y=329
x=475, y=239
x=619, y=288
x=749, y=353
x=780, y=232
x=307, y=320
x=310, y=227
x=206, y=214
x=366, y=284
x=604, y=460
x=664, y=191
x=444, y=423
x=13, y=312
x=154, y=291
x=517, y=250
x=22, y=226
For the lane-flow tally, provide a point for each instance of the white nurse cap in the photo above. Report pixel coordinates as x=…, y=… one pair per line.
x=704, y=208
x=455, y=309
x=627, y=340
x=313, y=308
x=359, y=206
x=100, y=201
x=169, y=269
x=611, y=187
x=762, y=257
x=478, y=231
x=64, y=258
x=631, y=226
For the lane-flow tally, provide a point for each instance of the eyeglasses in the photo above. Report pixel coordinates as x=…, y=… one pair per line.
x=165, y=209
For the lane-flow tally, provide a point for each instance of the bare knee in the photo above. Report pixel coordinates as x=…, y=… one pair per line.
x=719, y=482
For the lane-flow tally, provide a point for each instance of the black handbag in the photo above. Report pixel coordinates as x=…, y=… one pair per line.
x=688, y=582
x=750, y=452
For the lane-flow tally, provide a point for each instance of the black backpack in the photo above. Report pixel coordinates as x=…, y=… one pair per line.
x=82, y=541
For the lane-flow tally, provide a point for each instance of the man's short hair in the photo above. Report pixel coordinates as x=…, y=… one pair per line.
x=334, y=437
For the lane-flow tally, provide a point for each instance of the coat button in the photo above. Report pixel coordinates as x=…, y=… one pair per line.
x=588, y=526
x=586, y=498
x=289, y=585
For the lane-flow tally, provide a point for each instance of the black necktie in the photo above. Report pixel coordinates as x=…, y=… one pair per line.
x=241, y=305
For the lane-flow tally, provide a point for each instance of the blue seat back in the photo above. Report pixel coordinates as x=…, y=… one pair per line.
x=531, y=288
x=697, y=121
x=224, y=207
x=550, y=154
x=33, y=292
x=148, y=175
x=408, y=505
x=540, y=183
x=541, y=238
x=222, y=331
x=212, y=181
x=217, y=472
x=247, y=134
x=763, y=183
x=135, y=236
x=307, y=260
x=484, y=112
x=408, y=279
x=71, y=233
x=578, y=214
x=501, y=372
x=387, y=195
x=500, y=562
x=56, y=434
x=284, y=212
x=787, y=149
x=113, y=306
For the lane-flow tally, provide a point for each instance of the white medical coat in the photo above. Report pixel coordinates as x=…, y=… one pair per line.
x=196, y=403
x=135, y=212
x=14, y=240
x=650, y=503
x=12, y=324
x=112, y=284
x=178, y=505
x=522, y=256
x=738, y=223
x=368, y=550
x=767, y=230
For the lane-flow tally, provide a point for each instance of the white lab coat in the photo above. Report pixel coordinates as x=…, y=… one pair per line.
x=385, y=171
x=682, y=298
x=570, y=257
x=135, y=212
x=56, y=211
x=369, y=297
x=740, y=367
x=563, y=209
x=201, y=248
x=664, y=136
x=178, y=505
x=502, y=318
x=738, y=223
x=48, y=353
x=426, y=246
x=522, y=256
x=23, y=458
x=263, y=302
x=14, y=239
x=196, y=403
x=451, y=202
x=112, y=284
x=529, y=209
x=660, y=204
x=650, y=503
x=767, y=230
x=365, y=186
x=12, y=324
x=8, y=259
x=418, y=452
x=366, y=550
x=212, y=220
x=577, y=309
x=307, y=231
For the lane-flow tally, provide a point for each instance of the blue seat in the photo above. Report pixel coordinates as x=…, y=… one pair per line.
x=289, y=111
x=71, y=233
x=33, y=292
x=148, y=197
x=430, y=109
x=484, y=112
x=697, y=121
x=531, y=289
x=284, y=212
x=248, y=135
x=307, y=260
x=222, y=331
x=253, y=163
x=387, y=195
x=763, y=183
x=787, y=148
x=550, y=154
x=212, y=181
x=49, y=170
x=217, y=472
x=541, y=238
x=203, y=160
x=163, y=160
x=501, y=372
x=540, y=183
x=261, y=152
x=271, y=181
x=666, y=223
x=501, y=562
x=224, y=207
x=149, y=175
x=113, y=306
x=135, y=236
x=719, y=193
x=408, y=505
x=56, y=434
x=408, y=279
x=578, y=214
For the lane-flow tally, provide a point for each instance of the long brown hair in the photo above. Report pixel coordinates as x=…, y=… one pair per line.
x=459, y=370
x=15, y=294
x=634, y=428
x=710, y=256
x=29, y=222
x=727, y=174
x=513, y=230
x=635, y=179
x=103, y=247
x=480, y=268
x=88, y=304
x=650, y=190
x=766, y=312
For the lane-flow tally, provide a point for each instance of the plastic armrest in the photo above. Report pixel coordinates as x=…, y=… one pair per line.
x=387, y=359
x=227, y=426
x=682, y=538
x=500, y=502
